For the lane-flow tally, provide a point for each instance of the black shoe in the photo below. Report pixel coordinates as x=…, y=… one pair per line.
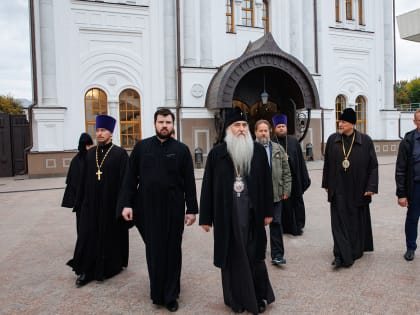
x=261, y=306
x=337, y=262
x=238, y=310
x=172, y=306
x=82, y=280
x=278, y=261
x=409, y=254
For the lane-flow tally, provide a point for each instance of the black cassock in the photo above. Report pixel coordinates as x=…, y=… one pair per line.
x=72, y=194
x=244, y=279
x=102, y=243
x=293, y=212
x=159, y=182
x=350, y=213
x=240, y=239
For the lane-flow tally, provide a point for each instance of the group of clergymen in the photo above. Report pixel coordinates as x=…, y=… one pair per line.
x=246, y=186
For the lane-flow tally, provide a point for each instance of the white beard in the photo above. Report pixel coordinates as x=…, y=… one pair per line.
x=241, y=150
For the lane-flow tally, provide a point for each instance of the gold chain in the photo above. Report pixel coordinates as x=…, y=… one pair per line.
x=236, y=169
x=99, y=173
x=346, y=156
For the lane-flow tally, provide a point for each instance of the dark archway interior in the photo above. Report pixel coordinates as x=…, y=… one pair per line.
x=284, y=95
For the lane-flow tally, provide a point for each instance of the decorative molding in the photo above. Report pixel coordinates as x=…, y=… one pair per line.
x=66, y=162
x=50, y=163
x=122, y=20
x=197, y=90
x=352, y=43
x=112, y=81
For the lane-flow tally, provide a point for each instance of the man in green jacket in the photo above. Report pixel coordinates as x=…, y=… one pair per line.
x=282, y=186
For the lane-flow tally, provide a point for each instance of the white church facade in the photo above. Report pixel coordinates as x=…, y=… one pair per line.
x=198, y=57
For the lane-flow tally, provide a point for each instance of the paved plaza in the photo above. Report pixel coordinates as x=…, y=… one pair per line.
x=37, y=238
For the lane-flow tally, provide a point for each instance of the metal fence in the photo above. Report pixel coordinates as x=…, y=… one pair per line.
x=412, y=107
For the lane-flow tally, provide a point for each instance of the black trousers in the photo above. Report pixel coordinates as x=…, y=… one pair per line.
x=276, y=233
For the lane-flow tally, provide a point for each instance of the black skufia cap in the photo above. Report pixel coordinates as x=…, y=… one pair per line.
x=233, y=115
x=348, y=115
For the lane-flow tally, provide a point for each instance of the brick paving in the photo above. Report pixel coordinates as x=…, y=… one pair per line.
x=37, y=238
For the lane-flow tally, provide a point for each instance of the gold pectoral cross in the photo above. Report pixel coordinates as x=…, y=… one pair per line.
x=99, y=173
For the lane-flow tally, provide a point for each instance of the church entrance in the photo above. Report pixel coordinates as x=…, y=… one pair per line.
x=264, y=81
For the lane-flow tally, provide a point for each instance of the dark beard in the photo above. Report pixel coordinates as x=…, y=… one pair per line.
x=162, y=136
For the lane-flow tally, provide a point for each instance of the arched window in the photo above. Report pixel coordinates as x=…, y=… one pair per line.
x=248, y=12
x=265, y=17
x=129, y=118
x=230, y=21
x=360, y=110
x=96, y=103
x=349, y=9
x=360, y=10
x=340, y=105
x=337, y=11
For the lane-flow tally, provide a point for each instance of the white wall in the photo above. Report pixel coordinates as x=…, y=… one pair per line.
x=114, y=47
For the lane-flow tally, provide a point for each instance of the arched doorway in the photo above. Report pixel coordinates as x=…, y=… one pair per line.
x=264, y=67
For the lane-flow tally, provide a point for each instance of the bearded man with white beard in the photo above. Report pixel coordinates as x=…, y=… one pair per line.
x=237, y=200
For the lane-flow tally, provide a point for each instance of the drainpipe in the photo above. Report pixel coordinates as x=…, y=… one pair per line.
x=322, y=132
x=399, y=128
x=178, y=66
x=34, y=82
x=395, y=53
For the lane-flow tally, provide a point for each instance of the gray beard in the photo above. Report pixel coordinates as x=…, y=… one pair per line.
x=241, y=150
x=263, y=141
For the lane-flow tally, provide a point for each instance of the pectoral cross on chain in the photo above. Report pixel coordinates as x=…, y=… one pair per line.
x=99, y=173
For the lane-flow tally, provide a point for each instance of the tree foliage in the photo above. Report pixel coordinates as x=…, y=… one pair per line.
x=413, y=90
x=401, y=93
x=402, y=97
x=9, y=105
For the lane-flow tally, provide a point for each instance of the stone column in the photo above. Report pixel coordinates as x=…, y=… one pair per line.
x=114, y=112
x=296, y=29
x=308, y=36
x=48, y=63
x=389, y=122
x=190, y=58
x=48, y=129
x=237, y=12
x=170, y=56
x=48, y=117
x=258, y=13
x=206, y=43
x=389, y=56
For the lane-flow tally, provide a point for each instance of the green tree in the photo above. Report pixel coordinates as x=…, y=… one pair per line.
x=413, y=90
x=401, y=94
x=9, y=105
x=402, y=97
